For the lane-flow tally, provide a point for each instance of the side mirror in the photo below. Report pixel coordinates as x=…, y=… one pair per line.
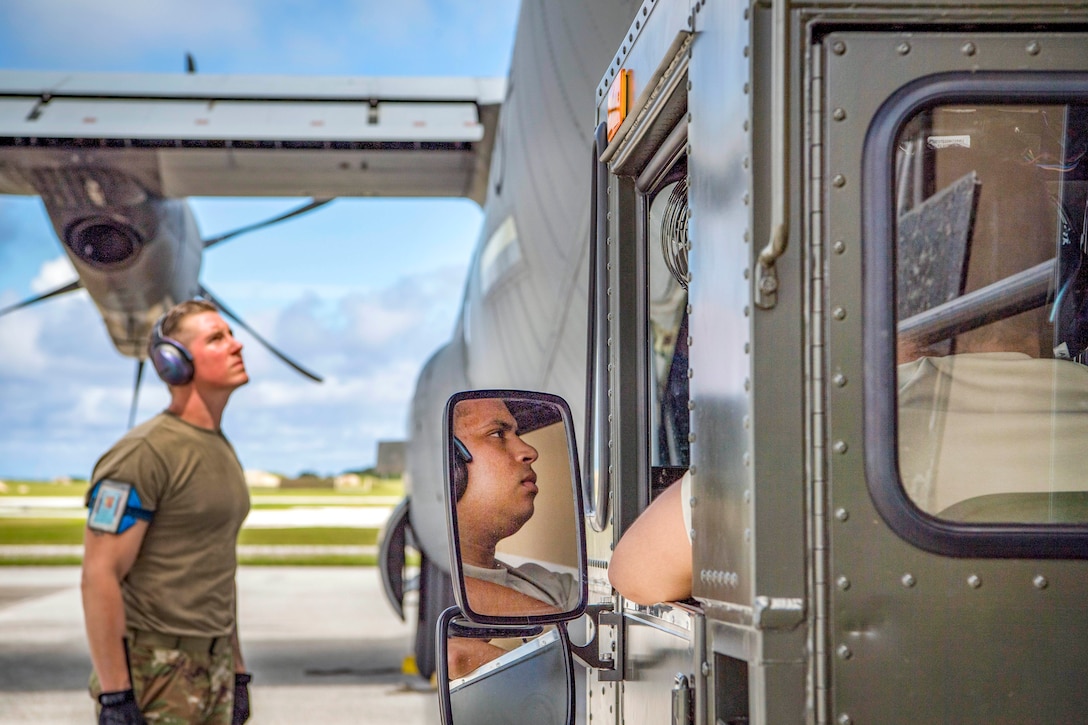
x=503, y=675
x=517, y=535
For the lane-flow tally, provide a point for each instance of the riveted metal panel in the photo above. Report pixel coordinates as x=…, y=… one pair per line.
x=720, y=322
x=660, y=645
x=747, y=363
x=653, y=30
x=777, y=347
x=914, y=636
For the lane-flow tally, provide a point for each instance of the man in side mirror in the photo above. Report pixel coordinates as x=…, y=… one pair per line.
x=496, y=500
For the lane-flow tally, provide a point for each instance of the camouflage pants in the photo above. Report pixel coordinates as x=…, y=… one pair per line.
x=190, y=686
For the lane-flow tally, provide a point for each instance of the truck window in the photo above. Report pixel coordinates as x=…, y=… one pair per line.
x=666, y=315
x=991, y=309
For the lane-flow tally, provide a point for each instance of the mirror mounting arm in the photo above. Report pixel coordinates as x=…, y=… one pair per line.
x=589, y=654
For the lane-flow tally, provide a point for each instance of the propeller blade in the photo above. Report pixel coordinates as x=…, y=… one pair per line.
x=70, y=287
x=314, y=204
x=136, y=392
x=226, y=311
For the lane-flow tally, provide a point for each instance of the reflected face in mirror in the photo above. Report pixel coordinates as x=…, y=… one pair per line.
x=500, y=486
x=516, y=517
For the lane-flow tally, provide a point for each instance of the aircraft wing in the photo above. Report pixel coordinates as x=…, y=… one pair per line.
x=179, y=135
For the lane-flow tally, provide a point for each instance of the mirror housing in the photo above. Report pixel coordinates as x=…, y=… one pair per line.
x=514, y=508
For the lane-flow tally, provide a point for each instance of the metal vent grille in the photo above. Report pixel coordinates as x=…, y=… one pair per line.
x=674, y=233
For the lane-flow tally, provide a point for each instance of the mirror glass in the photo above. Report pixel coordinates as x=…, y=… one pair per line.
x=517, y=535
x=502, y=675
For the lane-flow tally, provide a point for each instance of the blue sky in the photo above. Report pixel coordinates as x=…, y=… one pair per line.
x=361, y=291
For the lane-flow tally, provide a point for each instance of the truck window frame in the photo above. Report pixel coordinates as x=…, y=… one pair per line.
x=596, y=482
x=927, y=532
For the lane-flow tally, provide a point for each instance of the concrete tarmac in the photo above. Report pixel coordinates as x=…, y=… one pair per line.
x=322, y=643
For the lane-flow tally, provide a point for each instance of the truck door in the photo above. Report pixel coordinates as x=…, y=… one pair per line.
x=953, y=203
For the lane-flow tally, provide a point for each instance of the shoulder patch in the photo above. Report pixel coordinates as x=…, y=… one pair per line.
x=108, y=504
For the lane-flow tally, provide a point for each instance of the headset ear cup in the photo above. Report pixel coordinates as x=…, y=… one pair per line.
x=172, y=361
x=460, y=476
x=461, y=457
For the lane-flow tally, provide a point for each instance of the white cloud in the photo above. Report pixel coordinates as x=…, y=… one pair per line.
x=67, y=392
x=376, y=324
x=19, y=333
x=54, y=273
x=391, y=384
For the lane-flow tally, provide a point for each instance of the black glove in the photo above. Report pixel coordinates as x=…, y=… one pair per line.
x=241, y=698
x=120, y=708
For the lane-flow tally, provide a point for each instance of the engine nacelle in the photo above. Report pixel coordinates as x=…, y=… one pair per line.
x=103, y=241
x=137, y=254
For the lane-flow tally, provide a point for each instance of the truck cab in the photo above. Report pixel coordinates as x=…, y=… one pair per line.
x=837, y=278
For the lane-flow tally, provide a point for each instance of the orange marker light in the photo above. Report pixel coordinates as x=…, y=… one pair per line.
x=619, y=94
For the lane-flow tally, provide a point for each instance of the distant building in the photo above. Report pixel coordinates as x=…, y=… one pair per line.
x=262, y=479
x=307, y=479
x=390, y=458
x=350, y=480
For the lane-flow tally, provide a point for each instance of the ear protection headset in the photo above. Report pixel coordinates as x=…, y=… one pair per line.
x=172, y=361
x=460, y=470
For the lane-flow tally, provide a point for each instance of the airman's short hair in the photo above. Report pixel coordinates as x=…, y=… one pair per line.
x=171, y=321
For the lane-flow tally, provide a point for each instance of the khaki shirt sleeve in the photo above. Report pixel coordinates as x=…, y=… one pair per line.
x=137, y=463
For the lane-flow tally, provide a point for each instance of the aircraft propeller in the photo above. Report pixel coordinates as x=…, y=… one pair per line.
x=136, y=392
x=70, y=287
x=226, y=311
x=314, y=204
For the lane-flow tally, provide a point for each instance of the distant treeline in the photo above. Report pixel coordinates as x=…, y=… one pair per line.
x=309, y=479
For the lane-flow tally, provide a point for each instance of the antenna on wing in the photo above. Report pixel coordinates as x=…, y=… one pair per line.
x=190, y=63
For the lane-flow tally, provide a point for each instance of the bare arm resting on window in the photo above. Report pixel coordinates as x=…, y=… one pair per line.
x=652, y=561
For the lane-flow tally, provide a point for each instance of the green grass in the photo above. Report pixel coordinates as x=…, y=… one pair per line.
x=363, y=503
x=302, y=560
x=44, y=488
x=62, y=532
x=52, y=532
x=310, y=560
x=377, y=487
x=69, y=532
x=316, y=536
x=381, y=487
x=44, y=561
